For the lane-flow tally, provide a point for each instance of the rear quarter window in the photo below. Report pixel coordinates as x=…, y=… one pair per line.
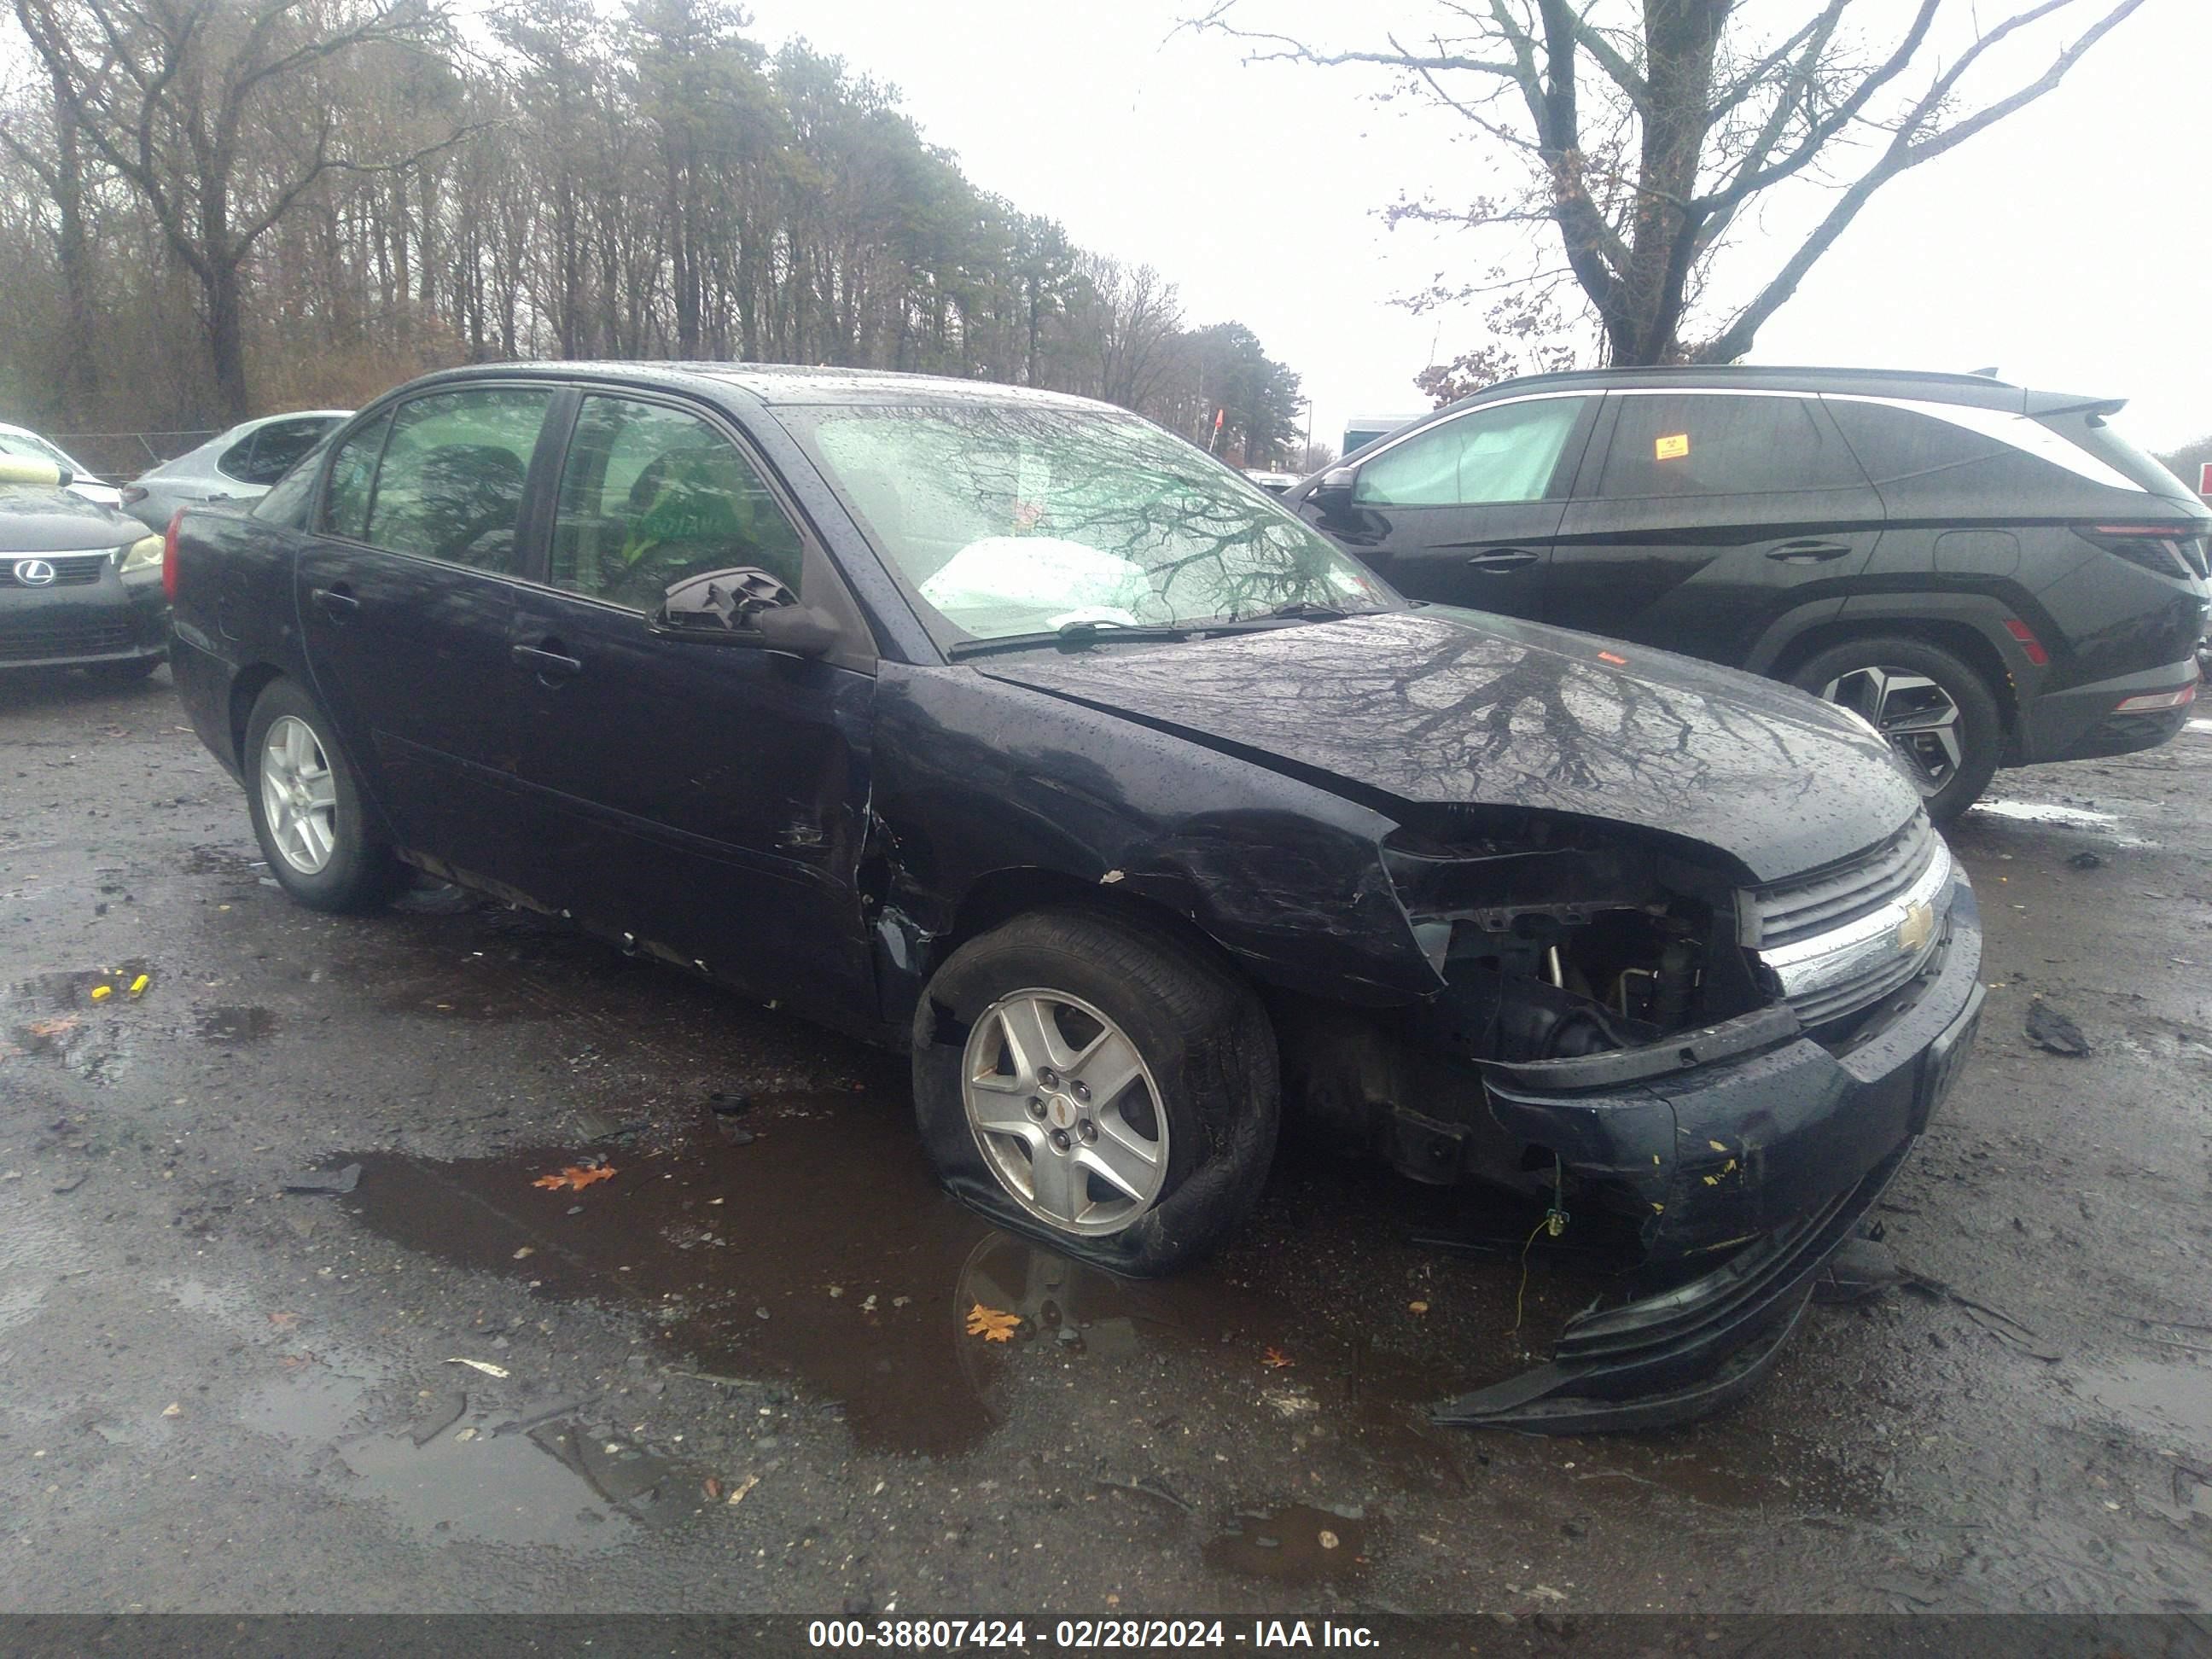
x=2095, y=432
x=1903, y=443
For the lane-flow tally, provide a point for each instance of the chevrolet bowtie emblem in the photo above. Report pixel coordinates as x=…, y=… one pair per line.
x=1913, y=933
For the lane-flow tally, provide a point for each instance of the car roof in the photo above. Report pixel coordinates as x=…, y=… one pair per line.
x=779, y=383
x=291, y=415
x=1933, y=385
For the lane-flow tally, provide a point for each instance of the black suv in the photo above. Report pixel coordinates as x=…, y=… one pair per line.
x=1991, y=576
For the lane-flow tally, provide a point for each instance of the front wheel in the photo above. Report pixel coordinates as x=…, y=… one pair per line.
x=1096, y=1083
x=1938, y=712
x=308, y=815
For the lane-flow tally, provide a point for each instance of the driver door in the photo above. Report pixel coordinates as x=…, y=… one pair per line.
x=707, y=799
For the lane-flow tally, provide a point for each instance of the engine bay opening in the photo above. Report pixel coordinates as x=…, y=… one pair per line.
x=1559, y=943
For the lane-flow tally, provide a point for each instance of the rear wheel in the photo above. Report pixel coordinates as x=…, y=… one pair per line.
x=308, y=815
x=1938, y=712
x=1098, y=1083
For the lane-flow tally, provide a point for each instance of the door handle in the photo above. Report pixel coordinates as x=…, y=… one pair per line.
x=1807, y=552
x=338, y=605
x=1502, y=559
x=550, y=666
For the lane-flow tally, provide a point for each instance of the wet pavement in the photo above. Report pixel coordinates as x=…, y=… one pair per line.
x=644, y=1299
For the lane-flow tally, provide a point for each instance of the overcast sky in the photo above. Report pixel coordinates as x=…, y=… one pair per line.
x=2068, y=246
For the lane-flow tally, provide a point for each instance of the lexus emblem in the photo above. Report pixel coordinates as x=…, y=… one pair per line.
x=1913, y=932
x=33, y=573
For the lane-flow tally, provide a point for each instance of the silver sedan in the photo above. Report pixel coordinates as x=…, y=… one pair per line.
x=237, y=465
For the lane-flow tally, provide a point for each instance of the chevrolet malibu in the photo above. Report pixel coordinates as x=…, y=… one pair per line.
x=1004, y=729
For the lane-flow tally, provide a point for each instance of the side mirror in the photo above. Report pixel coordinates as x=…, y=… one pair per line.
x=1333, y=493
x=743, y=605
x=798, y=628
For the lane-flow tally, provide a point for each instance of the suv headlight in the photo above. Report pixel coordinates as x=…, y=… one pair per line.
x=144, y=554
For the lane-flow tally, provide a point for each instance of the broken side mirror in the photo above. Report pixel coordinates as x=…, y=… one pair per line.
x=743, y=605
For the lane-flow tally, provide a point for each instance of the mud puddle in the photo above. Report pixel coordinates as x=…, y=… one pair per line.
x=558, y=1483
x=819, y=1252
x=234, y=1023
x=1299, y=1544
x=2169, y=1401
x=87, y=1018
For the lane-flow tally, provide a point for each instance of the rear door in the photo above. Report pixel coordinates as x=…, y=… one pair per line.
x=1465, y=512
x=708, y=798
x=1701, y=519
x=406, y=599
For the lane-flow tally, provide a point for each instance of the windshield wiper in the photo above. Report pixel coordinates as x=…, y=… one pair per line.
x=1296, y=610
x=1081, y=631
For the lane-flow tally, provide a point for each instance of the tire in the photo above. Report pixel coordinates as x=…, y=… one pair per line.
x=1866, y=674
x=357, y=871
x=1206, y=1079
x=128, y=672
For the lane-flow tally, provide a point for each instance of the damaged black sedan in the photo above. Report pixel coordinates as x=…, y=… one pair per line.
x=1005, y=728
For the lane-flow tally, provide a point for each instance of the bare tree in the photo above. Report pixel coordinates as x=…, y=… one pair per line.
x=187, y=100
x=1643, y=129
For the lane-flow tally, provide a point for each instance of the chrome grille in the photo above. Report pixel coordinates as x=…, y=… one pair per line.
x=1843, y=939
x=1806, y=905
x=70, y=569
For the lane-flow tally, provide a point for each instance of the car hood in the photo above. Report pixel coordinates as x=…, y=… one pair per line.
x=40, y=521
x=1438, y=706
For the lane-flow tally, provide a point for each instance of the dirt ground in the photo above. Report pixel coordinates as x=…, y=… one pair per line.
x=734, y=1373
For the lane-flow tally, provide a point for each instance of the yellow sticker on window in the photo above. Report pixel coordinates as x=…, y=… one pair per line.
x=1672, y=448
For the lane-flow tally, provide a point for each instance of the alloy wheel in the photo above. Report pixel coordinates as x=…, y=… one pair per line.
x=1913, y=712
x=1064, y=1111
x=299, y=796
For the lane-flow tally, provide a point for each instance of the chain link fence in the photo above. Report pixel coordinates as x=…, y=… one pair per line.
x=119, y=456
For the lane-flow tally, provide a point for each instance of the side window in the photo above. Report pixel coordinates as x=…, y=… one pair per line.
x=1683, y=444
x=651, y=496
x=1503, y=454
x=277, y=448
x=450, y=485
x=1903, y=443
x=237, y=461
x=353, y=472
x=286, y=503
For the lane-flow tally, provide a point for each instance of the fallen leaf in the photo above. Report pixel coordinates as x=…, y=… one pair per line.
x=737, y=1492
x=576, y=1178
x=712, y=1488
x=1329, y=1539
x=483, y=1365
x=1416, y=1307
x=1274, y=1359
x=283, y=1321
x=991, y=1324
x=173, y=1409
x=60, y=1026
x=525, y=1251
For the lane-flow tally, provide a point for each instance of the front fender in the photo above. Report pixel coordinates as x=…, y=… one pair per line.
x=976, y=778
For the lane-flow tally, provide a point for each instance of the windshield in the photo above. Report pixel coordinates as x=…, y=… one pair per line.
x=1007, y=520
x=37, y=448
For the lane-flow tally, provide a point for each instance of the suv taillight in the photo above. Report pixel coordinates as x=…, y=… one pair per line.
x=2168, y=550
x=169, y=558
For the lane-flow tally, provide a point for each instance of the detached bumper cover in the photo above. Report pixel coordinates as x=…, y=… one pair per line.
x=1761, y=1165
